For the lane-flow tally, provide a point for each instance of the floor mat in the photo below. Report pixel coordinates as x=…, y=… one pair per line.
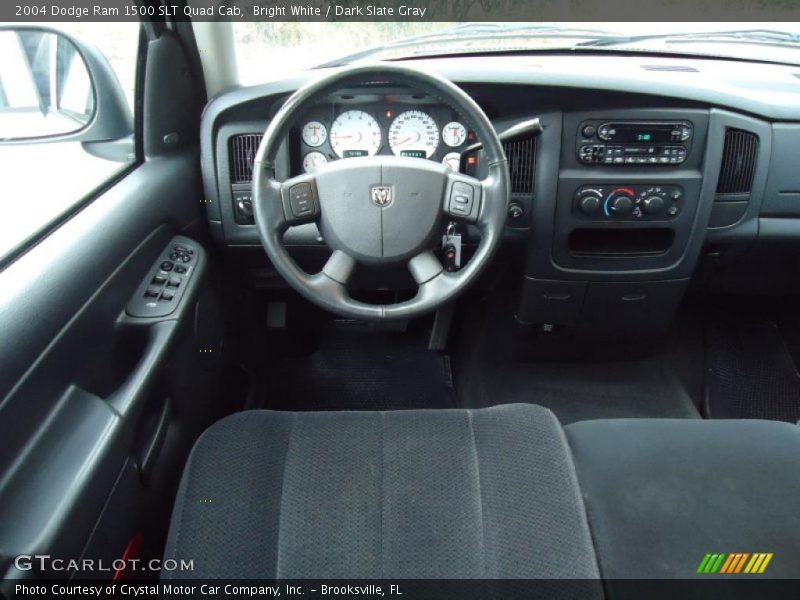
x=751, y=372
x=578, y=392
x=491, y=368
x=357, y=368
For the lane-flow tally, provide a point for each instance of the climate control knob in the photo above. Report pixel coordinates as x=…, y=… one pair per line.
x=652, y=205
x=621, y=205
x=589, y=205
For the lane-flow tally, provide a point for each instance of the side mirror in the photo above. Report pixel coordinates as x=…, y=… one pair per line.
x=56, y=88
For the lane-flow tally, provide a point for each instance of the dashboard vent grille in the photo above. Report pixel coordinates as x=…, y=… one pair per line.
x=521, y=164
x=243, y=150
x=738, y=162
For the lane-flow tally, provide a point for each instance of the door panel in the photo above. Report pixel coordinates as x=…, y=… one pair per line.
x=82, y=377
x=47, y=286
x=98, y=409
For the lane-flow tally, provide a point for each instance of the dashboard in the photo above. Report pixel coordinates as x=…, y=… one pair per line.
x=398, y=122
x=650, y=173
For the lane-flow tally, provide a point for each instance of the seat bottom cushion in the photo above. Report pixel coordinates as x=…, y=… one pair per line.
x=662, y=494
x=488, y=493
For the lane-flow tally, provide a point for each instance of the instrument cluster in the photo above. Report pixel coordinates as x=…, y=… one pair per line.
x=338, y=131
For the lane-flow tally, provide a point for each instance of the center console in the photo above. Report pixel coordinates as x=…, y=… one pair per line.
x=623, y=193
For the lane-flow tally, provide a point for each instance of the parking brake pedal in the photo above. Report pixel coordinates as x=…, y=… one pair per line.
x=442, y=323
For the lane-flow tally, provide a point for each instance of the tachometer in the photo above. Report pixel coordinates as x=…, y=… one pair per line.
x=313, y=160
x=355, y=133
x=314, y=133
x=454, y=134
x=413, y=133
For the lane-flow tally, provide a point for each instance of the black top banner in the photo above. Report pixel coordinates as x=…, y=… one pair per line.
x=401, y=10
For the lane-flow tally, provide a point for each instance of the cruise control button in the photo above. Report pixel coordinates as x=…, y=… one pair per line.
x=461, y=198
x=301, y=200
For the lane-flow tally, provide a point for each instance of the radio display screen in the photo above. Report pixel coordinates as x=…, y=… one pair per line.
x=646, y=134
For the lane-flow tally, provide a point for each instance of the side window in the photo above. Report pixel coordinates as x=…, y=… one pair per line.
x=66, y=119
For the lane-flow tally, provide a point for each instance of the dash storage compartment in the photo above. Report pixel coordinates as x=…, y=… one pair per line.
x=618, y=242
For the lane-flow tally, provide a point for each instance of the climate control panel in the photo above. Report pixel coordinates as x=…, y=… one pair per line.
x=624, y=202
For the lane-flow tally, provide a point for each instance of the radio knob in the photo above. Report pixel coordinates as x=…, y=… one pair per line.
x=653, y=205
x=621, y=205
x=589, y=205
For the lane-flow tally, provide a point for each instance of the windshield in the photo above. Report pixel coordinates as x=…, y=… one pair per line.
x=268, y=51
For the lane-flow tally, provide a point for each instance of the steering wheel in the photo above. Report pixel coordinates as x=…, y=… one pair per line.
x=379, y=211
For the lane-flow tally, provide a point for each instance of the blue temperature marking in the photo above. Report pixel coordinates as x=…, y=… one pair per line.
x=605, y=205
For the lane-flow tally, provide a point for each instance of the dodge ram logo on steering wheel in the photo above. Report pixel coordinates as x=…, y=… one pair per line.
x=381, y=195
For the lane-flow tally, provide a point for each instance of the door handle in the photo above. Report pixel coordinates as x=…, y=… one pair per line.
x=137, y=384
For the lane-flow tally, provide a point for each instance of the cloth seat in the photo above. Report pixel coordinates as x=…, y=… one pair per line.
x=489, y=493
x=663, y=493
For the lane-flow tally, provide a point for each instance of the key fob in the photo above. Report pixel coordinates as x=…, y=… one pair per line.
x=451, y=246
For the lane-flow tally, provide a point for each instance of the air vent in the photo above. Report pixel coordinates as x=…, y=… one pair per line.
x=521, y=162
x=243, y=150
x=738, y=163
x=670, y=68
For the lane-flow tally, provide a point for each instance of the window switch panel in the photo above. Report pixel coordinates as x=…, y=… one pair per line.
x=161, y=291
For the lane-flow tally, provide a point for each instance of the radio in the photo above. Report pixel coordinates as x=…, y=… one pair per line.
x=634, y=143
x=627, y=202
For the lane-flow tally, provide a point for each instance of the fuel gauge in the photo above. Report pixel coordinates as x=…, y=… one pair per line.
x=313, y=160
x=452, y=160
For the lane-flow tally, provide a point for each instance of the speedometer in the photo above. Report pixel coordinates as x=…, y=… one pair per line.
x=413, y=133
x=355, y=133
